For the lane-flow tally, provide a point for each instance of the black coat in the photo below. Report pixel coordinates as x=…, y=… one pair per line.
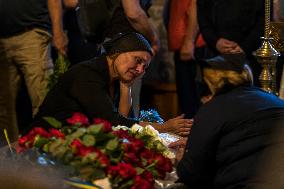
x=228, y=138
x=84, y=88
x=241, y=21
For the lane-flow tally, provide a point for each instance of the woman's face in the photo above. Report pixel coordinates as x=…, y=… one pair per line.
x=131, y=65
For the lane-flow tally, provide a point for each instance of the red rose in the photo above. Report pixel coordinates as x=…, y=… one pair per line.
x=140, y=183
x=81, y=149
x=113, y=170
x=23, y=140
x=134, y=145
x=147, y=175
x=148, y=155
x=106, y=125
x=130, y=157
x=27, y=141
x=137, y=144
x=39, y=131
x=76, y=144
x=104, y=161
x=124, y=170
x=56, y=133
x=164, y=163
x=102, y=158
x=121, y=134
x=78, y=119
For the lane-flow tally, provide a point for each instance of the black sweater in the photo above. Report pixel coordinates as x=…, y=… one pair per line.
x=84, y=88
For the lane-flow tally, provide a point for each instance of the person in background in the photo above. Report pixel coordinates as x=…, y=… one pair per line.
x=278, y=10
x=27, y=28
x=231, y=131
x=88, y=86
x=79, y=48
x=232, y=27
x=187, y=43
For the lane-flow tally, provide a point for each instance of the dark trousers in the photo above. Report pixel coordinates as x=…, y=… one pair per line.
x=186, y=85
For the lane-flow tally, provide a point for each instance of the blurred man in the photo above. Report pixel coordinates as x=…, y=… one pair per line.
x=25, y=38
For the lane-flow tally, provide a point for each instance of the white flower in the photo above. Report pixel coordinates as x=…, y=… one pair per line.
x=136, y=128
x=120, y=127
x=149, y=130
x=169, y=154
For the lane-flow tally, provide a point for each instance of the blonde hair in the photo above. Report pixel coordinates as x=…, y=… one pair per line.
x=217, y=79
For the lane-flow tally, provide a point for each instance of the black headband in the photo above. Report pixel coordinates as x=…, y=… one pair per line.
x=233, y=62
x=126, y=43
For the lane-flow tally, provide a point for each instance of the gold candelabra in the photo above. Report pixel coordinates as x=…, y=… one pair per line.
x=267, y=56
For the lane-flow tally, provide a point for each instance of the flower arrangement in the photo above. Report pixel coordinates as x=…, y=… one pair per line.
x=127, y=157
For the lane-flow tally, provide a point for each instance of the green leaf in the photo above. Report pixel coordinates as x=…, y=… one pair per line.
x=77, y=163
x=40, y=141
x=95, y=129
x=89, y=140
x=144, y=162
x=139, y=170
x=98, y=174
x=78, y=133
x=59, y=152
x=112, y=144
x=86, y=172
x=46, y=148
x=53, y=122
x=68, y=157
x=126, y=184
x=115, y=160
x=60, y=67
x=55, y=144
x=89, y=158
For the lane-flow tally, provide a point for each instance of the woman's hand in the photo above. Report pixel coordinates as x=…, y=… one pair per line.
x=178, y=125
x=179, y=146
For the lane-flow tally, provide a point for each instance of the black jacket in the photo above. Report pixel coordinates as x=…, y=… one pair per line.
x=241, y=21
x=119, y=22
x=228, y=137
x=84, y=88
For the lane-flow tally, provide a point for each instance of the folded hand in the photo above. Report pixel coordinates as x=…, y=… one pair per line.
x=179, y=125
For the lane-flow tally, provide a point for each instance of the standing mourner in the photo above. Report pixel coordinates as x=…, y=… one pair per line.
x=232, y=26
x=25, y=38
x=187, y=43
x=278, y=10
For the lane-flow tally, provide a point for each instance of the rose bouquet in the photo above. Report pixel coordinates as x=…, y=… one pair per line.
x=127, y=158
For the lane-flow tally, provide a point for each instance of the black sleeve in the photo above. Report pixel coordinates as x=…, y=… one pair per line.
x=204, y=16
x=94, y=99
x=250, y=41
x=197, y=167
